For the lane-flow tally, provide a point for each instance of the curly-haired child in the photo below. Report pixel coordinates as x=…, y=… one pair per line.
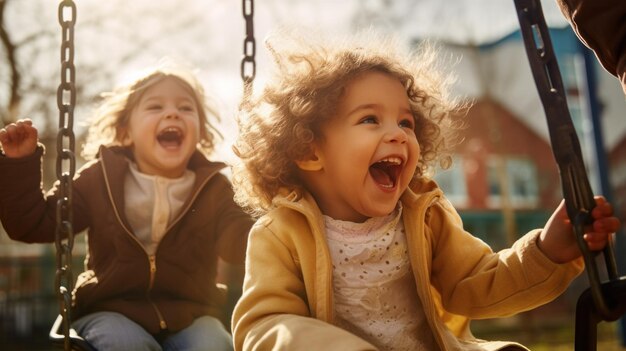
x=357, y=248
x=158, y=214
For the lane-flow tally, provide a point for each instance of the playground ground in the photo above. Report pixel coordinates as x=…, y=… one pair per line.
x=558, y=336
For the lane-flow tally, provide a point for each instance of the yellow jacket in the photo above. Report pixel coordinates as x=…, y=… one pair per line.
x=287, y=301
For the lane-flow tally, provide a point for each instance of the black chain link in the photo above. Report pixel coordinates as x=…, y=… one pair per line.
x=248, y=64
x=65, y=167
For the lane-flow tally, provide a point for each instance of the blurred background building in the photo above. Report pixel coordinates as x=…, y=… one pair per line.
x=504, y=180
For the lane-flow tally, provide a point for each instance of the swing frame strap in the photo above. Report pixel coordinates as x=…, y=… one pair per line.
x=579, y=199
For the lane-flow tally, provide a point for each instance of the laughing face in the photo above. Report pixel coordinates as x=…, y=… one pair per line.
x=163, y=129
x=368, y=153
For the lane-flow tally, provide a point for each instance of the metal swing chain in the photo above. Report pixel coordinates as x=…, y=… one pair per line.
x=65, y=167
x=249, y=50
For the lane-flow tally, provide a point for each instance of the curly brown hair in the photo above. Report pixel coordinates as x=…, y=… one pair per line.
x=278, y=127
x=112, y=116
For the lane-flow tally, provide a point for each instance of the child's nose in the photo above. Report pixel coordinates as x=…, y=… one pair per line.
x=395, y=134
x=171, y=113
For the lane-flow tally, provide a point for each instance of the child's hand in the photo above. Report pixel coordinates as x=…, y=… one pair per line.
x=558, y=241
x=19, y=139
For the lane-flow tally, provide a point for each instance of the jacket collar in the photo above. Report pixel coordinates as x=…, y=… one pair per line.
x=115, y=162
x=420, y=189
x=116, y=158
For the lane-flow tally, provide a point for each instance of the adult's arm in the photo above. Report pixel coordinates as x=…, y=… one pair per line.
x=601, y=26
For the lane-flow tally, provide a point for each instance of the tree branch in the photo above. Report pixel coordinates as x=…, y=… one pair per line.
x=10, y=114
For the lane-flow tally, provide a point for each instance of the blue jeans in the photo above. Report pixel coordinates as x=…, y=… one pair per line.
x=111, y=331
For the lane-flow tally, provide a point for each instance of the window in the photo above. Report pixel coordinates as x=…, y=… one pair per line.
x=452, y=182
x=519, y=176
x=573, y=70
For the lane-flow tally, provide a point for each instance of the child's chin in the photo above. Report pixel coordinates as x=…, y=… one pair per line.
x=381, y=211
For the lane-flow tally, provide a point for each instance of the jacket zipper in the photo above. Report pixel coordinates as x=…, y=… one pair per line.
x=153, y=269
x=151, y=258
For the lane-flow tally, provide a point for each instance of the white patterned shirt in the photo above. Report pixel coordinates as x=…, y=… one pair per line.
x=374, y=288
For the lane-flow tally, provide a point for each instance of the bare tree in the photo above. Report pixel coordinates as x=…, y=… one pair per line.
x=109, y=37
x=13, y=99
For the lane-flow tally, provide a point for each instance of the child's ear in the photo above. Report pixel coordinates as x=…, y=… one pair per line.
x=125, y=138
x=310, y=163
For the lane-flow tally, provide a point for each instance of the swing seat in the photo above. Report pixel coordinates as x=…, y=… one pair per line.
x=58, y=339
x=588, y=316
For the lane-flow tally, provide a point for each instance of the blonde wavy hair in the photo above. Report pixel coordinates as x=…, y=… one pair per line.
x=277, y=127
x=110, y=119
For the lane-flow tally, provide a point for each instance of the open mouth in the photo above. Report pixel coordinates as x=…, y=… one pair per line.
x=170, y=137
x=386, y=171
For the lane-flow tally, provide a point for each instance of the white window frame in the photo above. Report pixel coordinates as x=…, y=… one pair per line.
x=516, y=168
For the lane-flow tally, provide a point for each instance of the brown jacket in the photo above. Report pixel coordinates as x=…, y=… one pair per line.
x=601, y=26
x=165, y=291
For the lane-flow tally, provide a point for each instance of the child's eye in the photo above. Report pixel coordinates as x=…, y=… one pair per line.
x=187, y=108
x=153, y=107
x=407, y=123
x=368, y=120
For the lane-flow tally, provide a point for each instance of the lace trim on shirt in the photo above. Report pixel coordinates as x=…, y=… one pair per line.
x=372, y=229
